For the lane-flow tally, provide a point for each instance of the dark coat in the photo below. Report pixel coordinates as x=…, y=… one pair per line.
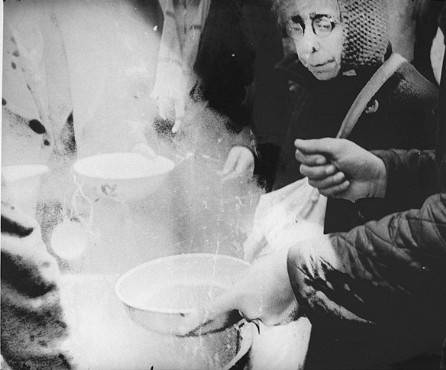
x=239, y=47
x=225, y=62
x=401, y=115
x=391, y=273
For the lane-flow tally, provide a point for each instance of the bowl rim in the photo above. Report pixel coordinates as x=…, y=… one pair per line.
x=166, y=311
x=38, y=170
x=76, y=167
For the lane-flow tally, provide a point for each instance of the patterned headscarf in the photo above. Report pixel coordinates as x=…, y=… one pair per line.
x=366, y=30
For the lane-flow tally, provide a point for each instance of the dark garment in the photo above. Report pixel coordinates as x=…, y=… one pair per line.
x=401, y=115
x=239, y=47
x=225, y=62
x=390, y=273
x=426, y=29
x=32, y=321
x=270, y=96
x=441, y=131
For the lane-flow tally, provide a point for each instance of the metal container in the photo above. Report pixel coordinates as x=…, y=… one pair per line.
x=159, y=294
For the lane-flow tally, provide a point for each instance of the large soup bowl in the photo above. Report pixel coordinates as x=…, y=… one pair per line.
x=160, y=294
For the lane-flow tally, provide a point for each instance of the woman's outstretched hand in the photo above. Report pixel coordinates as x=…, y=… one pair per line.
x=341, y=169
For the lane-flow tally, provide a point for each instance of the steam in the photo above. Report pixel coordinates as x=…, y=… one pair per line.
x=111, y=53
x=194, y=211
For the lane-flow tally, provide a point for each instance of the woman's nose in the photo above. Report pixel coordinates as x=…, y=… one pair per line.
x=307, y=44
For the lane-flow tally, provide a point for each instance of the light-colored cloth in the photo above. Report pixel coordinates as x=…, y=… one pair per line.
x=284, y=217
x=182, y=27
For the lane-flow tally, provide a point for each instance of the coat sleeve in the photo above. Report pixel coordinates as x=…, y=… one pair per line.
x=412, y=177
x=381, y=273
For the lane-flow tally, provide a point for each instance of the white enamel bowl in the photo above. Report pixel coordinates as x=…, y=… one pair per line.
x=123, y=176
x=158, y=295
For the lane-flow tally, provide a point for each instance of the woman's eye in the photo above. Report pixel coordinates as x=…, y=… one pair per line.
x=298, y=28
x=295, y=29
x=323, y=25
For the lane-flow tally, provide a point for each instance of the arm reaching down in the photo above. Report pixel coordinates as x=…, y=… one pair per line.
x=383, y=272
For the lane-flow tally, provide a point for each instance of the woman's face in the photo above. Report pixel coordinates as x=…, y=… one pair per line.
x=315, y=28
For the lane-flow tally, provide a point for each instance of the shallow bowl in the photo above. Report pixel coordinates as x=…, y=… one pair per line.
x=159, y=295
x=123, y=176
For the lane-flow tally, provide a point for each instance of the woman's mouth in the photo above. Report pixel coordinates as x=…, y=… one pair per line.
x=322, y=67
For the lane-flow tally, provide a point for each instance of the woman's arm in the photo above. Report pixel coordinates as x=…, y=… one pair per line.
x=378, y=273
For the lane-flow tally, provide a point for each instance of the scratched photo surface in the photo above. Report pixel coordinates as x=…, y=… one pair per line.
x=145, y=149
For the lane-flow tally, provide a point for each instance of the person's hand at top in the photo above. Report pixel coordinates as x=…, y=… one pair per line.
x=340, y=168
x=172, y=109
x=239, y=163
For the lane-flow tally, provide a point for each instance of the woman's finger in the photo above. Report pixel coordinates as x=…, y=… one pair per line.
x=328, y=182
x=311, y=159
x=337, y=191
x=240, y=163
x=317, y=172
x=230, y=163
x=244, y=165
x=324, y=146
x=234, y=173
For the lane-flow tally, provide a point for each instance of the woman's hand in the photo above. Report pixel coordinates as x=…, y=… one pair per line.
x=240, y=162
x=173, y=109
x=339, y=168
